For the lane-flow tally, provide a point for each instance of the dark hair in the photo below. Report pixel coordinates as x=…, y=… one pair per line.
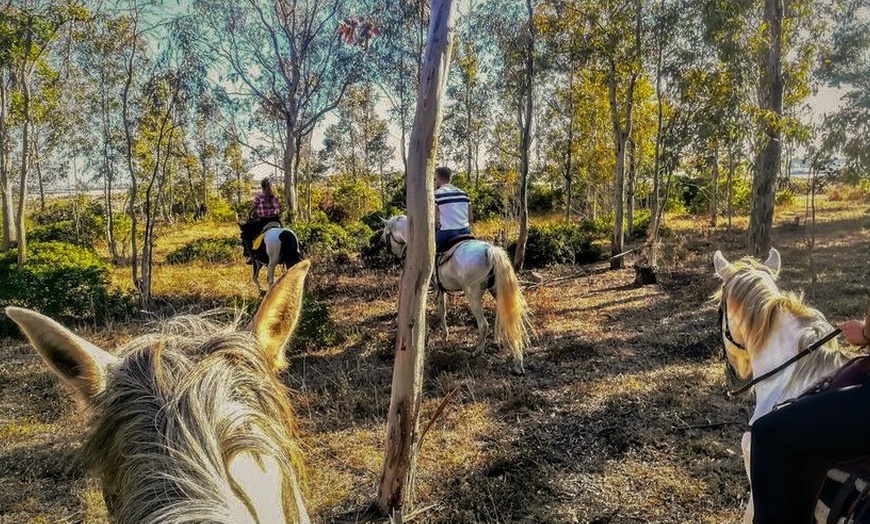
x=444, y=173
x=266, y=184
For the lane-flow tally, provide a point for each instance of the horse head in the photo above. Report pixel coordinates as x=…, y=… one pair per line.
x=191, y=423
x=742, y=281
x=395, y=234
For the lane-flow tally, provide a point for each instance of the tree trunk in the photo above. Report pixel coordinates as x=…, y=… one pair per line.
x=410, y=340
x=652, y=234
x=25, y=160
x=730, y=184
x=713, y=163
x=290, y=196
x=769, y=156
x=629, y=191
x=526, y=101
x=9, y=232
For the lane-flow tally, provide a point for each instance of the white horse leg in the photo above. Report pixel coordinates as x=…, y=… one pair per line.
x=441, y=298
x=270, y=272
x=475, y=300
x=745, y=444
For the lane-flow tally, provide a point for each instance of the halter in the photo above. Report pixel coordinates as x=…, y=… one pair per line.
x=397, y=240
x=731, y=373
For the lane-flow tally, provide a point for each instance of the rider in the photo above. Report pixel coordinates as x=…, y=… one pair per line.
x=794, y=446
x=453, y=216
x=265, y=208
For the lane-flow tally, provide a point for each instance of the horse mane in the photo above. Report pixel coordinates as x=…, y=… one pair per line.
x=752, y=288
x=390, y=225
x=179, y=407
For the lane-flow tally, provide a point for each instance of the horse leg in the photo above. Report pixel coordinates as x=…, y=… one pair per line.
x=270, y=272
x=475, y=300
x=441, y=298
x=256, y=276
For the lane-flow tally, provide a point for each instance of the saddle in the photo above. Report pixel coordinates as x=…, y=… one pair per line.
x=258, y=241
x=453, y=242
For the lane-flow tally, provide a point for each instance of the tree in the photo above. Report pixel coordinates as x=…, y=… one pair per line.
x=287, y=56
x=410, y=340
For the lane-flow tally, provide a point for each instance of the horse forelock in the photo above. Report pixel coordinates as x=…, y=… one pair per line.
x=755, y=300
x=180, y=406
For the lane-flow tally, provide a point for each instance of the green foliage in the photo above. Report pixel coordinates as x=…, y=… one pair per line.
x=330, y=240
x=61, y=280
x=642, y=221
x=559, y=244
x=220, y=210
x=374, y=220
x=486, y=201
x=349, y=200
x=545, y=199
x=784, y=197
x=80, y=220
x=316, y=329
x=216, y=250
x=376, y=253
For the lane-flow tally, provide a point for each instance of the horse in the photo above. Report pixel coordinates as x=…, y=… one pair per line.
x=474, y=266
x=275, y=245
x=762, y=328
x=191, y=423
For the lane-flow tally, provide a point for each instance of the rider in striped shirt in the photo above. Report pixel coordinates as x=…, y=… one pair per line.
x=454, y=215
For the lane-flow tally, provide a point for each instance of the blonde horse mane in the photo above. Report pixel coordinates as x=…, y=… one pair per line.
x=180, y=406
x=751, y=289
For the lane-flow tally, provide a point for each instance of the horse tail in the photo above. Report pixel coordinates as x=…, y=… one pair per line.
x=511, y=320
x=289, y=254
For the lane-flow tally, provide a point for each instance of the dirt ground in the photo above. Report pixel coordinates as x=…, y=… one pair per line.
x=621, y=416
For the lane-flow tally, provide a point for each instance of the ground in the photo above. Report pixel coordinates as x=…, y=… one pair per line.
x=621, y=417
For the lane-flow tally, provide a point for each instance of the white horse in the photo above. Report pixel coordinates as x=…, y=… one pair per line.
x=473, y=266
x=276, y=245
x=763, y=327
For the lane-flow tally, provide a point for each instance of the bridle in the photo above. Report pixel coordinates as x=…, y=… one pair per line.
x=731, y=373
x=399, y=241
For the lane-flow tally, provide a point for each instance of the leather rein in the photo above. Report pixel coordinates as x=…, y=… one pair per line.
x=725, y=331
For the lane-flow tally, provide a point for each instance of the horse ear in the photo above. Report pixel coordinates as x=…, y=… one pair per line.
x=279, y=313
x=722, y=266
x=80, y=364
x=774, y=261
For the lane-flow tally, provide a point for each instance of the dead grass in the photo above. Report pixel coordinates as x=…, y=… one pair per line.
x=620, y=418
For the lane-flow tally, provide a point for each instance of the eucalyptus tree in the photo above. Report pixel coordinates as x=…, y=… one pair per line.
x=286, y=56
x=845, y=65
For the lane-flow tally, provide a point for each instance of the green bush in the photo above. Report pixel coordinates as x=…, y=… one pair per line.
x=544, y=199
x=486, y=201
x=60, y=280
x=323, y=238
x=376, y=253
x=316, y=329
x=221, y=211
x=374, y=220
x=349, y=200
x=80, y=220
x=215, y=250
x=784, y=197
x=559, y=244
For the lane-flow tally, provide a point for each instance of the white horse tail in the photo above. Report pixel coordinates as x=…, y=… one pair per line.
x=511, y=320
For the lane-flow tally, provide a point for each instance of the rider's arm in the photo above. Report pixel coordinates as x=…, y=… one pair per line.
x=854, y=332
x=252, y=210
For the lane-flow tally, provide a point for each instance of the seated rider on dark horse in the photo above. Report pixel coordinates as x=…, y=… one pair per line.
x=453, y=212
x=265, y=209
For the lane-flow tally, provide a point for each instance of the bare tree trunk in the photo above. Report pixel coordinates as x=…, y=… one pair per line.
x=730, y=196
x=525, y=113
x=9, y=232
x=290, y=196
x=402, y=420
x=713, y=162
x=652, y=234
x=629, y=191
x=25, y=161
x=769, y=156
x=128, y=153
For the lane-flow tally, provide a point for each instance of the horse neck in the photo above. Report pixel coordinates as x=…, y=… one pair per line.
x=789, y=338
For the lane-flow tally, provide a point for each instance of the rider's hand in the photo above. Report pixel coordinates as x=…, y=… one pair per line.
x=853, y=331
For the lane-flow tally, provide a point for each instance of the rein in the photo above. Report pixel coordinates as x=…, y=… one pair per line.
x=726, y=333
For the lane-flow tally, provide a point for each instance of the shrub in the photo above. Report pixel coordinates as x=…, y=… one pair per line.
x=373, y=220
x=486, y=201
x=80, y=220
x=60, y=280
x=349, y=200
x=545, y=199
x=376, y=253
x=784, y=197
x=559, y=244
x=323, y=238
x=316, y=329
x=221, y=211
x=215, y=250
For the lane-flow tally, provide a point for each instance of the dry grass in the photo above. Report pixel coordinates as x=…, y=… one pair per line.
x=620, y=418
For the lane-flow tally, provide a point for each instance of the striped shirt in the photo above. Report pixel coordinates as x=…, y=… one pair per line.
x=452, y=204
x=267, y=207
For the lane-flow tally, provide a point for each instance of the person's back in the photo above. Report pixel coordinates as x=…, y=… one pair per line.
x=453, y=208
x=266, y=208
